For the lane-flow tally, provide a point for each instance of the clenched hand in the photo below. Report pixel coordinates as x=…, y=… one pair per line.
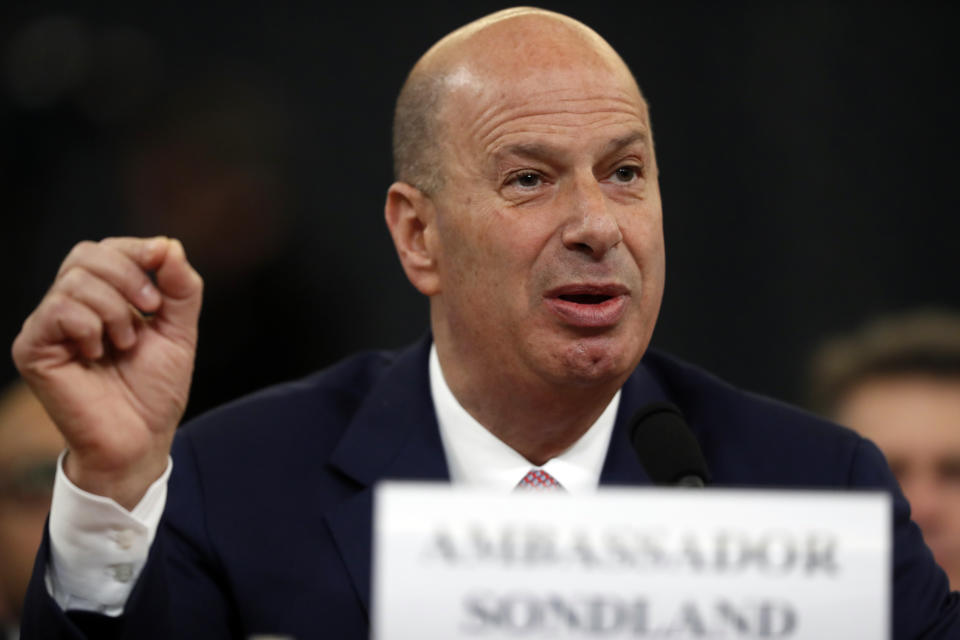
x=114, y=380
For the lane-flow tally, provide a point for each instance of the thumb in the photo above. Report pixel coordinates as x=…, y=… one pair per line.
x=181, y=287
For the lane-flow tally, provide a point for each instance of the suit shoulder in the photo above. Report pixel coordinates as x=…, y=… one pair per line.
x=328, y=397
x=750, y=437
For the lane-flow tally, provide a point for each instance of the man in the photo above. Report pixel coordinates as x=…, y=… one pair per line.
x=527, y=209
x=29, y=446
x=897, y=381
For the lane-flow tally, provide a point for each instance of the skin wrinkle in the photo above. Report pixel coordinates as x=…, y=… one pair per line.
x=525, y=111
x=493, y=251
x=543, y=160
x=543, y=152
x=486, y=134
x=561, y=44
x=531, y=125
x=497, y=147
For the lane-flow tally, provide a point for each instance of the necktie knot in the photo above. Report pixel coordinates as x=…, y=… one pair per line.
x=539, y=480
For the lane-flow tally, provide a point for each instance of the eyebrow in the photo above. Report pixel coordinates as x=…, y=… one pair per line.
x=620, y=143
x=544, y=152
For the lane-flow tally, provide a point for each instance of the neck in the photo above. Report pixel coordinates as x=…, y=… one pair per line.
x=538, y=419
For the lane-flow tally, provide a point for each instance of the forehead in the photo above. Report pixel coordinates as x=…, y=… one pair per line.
x=494, y=109
x=911, y=415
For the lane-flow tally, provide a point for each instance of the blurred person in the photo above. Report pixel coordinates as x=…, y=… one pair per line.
x=896, y=381
x=29, y=447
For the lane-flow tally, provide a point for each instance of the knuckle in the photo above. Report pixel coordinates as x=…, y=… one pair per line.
x=133, y=276
x=74, y=278
x=27, y=366
x=71, y=315
x=82, y=249
x=81, y=324
x=56, y=304
x=27, y=323
x=89, y=330
x=18, y=350
x=127, y=245
x=79, y=254
x=115, y=315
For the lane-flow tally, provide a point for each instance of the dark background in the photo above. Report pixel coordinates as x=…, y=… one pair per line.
x=808, y=158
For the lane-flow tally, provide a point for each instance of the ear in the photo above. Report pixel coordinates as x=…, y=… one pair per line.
x=411, y=217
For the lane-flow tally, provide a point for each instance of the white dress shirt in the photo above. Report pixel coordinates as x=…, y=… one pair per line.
x=476, y=457
x=98, y=548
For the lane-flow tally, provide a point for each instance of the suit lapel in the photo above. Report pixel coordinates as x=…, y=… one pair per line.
x=394, y=435
x=621, y=466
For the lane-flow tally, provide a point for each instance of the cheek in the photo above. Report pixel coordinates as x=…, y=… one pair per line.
x=644, y=227
x=498, y=242
x=644, y=240
x=471, y=263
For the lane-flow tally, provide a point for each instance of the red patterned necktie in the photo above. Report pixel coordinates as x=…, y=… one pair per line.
x=539, y=480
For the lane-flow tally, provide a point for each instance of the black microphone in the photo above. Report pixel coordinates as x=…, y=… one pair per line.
x=666, y=447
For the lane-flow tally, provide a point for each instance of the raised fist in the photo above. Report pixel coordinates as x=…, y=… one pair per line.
x=110, y=354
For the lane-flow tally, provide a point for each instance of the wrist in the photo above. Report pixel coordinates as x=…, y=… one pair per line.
x=126, y=485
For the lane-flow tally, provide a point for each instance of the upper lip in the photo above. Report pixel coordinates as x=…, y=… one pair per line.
x=588, y=289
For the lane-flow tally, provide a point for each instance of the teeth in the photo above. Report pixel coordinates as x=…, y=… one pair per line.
x=585, y=298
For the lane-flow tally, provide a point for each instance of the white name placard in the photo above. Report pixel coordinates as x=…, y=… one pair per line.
x=453, y=563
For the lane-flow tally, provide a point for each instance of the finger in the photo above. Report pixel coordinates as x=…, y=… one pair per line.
x=146, y=252
x=181, y=286
x=61, y=319
x=114, y=310
x=122, y=263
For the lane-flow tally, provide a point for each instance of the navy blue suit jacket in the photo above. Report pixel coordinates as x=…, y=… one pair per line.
x=267, y=527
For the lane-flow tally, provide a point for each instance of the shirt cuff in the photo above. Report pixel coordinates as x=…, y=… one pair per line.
x=98, y=548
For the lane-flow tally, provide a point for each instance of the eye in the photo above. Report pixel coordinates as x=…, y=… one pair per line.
x=526, y=180
x=627, y=173
x=949, y=469
x=900, y=469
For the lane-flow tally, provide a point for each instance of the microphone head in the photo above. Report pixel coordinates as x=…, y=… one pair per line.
x=666, y=447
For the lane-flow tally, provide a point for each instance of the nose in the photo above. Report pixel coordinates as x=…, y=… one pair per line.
x=592, y=228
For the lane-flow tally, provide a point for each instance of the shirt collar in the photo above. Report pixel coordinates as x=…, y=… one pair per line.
x=476, y=457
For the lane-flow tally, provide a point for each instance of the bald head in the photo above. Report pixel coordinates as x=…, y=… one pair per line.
x=509, y=44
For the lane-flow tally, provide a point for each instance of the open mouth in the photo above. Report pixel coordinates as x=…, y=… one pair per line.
x=585, y=298
x=588, y=306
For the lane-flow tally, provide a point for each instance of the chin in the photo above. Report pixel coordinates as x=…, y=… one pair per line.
x=599, y=361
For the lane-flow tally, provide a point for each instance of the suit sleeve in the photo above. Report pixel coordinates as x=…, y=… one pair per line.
x=181, y=592
x=923, y=607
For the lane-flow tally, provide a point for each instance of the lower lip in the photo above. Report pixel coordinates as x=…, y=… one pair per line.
x=604, y=314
